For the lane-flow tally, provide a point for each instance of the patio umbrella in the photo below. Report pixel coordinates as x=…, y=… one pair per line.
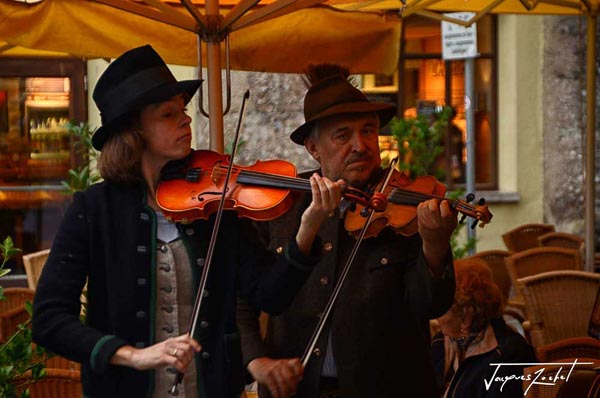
x=268, y=35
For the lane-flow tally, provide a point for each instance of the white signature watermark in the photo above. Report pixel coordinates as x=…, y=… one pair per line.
x=536, y=378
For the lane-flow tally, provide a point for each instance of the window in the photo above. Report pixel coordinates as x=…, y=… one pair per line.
x=424, y=80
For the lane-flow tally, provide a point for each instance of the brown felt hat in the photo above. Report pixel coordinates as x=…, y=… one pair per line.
x=336, y=96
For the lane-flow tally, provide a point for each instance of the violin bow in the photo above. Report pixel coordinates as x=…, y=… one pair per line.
x=211, y=246
x=338, y=286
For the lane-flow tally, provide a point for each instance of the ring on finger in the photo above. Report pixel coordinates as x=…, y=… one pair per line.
x=174, y=353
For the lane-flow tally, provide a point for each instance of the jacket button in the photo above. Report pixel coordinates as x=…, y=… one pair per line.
x=203, y=324
x=328, y=246
x=189, y=231
x=141, y=249
x=324, y=280
x=140, y=344
x=167, y=289
x=200, y=262
x=164, y=248
x=142, y=281
x=317, y=352
x=144, y=216
x=279, y=250
x=140, y=314
x=205, y=355
x=165, y=267
x=384, y=261
x=168, y=329
x=205, y=293
x=168, y=309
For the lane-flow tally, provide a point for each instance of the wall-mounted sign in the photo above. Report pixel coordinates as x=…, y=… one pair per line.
x=459, y=42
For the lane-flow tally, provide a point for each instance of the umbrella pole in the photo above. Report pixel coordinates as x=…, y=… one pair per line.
x=590, y=160
x=215, y=93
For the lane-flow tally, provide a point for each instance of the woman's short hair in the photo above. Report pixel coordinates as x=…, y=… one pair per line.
x=475, y=288
x=120, y=158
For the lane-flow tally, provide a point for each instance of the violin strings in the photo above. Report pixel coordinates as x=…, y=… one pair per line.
x=397, y=194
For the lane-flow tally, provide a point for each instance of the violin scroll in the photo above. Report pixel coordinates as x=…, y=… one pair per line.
x=480, y=213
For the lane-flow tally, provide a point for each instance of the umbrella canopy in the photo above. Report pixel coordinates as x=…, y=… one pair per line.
x=268, y=35
x=366, y=41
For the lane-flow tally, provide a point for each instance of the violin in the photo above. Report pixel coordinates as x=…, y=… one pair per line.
x=403, y=196
x=260, y=192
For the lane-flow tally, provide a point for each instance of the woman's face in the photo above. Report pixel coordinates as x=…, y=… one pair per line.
x=166, y=130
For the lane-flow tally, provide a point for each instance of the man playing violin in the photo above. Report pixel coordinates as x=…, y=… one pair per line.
x=142, y=271
x=377, y=339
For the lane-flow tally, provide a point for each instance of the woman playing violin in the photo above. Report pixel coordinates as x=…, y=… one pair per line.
x=376, y=342
x=142, y=271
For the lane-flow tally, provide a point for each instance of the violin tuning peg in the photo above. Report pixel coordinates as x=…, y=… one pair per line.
x=474, y=224
x=470, y=197
x=481, y=201
x=364, y=212
x=462, y=219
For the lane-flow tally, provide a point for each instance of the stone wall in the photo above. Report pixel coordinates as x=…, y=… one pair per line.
x=565, y=123
x=273, y=111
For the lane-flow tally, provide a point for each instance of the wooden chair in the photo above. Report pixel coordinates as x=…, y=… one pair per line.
x=572, y=347
x=539, y=260
x=525, y=236
x=57, y=383
x=559, y=304
x=561, y=239
x=33, y=263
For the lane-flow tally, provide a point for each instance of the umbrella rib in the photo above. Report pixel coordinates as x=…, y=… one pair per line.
x=417, y=6
x=148, y=12
x=200, y=19
x=237, y=12
x=441, y=17
x=563, y=3
x=273, y=10
x=357, y=5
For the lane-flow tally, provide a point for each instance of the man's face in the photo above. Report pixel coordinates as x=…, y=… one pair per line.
x=347, y=147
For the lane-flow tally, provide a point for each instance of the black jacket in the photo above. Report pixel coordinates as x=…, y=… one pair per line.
x=108, y=237
x=380, y=323
x=470, y=378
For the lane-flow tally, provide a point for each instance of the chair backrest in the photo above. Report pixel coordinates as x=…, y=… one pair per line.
x=572, y=347
x=525, y=236
x=10, y=321
x=538, y=260
x=33, y=263
x=559, y=304
x=15, y=296
x=495, y=259
x=561, y=239
x=57, y=383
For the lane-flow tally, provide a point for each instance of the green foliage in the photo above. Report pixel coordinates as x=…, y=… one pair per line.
x=419, y=143
x=460, y=249
x=17, y=357
x=82, y=177
x=7, y=250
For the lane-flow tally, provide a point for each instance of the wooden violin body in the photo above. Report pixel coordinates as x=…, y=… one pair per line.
x=187, y=198
x=403, y=196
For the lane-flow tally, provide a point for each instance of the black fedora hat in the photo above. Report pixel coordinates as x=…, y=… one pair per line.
x=136, y=78
x=335, y=95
